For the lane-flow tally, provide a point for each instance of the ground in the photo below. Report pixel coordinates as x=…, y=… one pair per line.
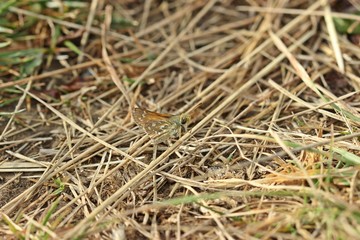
x=262, y=99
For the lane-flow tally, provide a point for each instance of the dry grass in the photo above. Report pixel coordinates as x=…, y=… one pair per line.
x=272, y=151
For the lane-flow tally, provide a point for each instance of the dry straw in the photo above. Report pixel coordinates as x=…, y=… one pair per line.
x=272, y=150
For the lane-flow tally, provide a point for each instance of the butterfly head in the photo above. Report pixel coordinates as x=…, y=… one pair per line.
x=182, y=121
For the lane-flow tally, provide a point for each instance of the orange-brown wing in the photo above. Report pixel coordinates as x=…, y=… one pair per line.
x=157, y=116
x=142, y=116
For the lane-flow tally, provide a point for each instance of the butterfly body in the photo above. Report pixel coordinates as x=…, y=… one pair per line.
x=159, y=126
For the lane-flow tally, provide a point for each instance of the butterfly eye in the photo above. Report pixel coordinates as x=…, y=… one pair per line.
x=183, y=120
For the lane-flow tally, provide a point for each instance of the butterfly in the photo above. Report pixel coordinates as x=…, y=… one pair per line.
x=160, y=127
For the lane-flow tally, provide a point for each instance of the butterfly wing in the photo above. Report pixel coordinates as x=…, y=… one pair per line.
x=142, y=116
x=156, y=125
